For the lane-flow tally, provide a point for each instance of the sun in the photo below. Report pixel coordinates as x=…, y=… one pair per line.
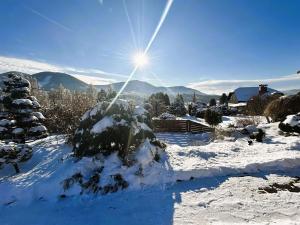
x=140, y=59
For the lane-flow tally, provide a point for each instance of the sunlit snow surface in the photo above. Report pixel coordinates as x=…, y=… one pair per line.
x=229, y=173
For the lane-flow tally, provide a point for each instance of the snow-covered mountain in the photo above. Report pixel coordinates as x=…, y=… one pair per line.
x=52, y=80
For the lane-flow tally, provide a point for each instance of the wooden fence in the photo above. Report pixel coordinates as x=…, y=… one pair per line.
x=180, y=126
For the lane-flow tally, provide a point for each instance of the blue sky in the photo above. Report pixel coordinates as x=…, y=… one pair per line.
x=210, y=45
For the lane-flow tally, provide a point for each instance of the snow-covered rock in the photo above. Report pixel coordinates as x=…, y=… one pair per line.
x=291, y=124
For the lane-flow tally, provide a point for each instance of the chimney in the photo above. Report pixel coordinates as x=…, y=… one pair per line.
x=263, y=88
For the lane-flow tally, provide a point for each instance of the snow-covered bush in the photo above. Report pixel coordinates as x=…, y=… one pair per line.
x=167, y=116
x=177, y=107
x=20, y=121
x=117, y=148
x=291, y=124
x=13, y=154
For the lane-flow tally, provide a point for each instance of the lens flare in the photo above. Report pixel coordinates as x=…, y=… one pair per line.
x=140, y=59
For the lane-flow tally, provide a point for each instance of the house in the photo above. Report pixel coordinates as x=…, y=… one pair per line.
x=244, y=94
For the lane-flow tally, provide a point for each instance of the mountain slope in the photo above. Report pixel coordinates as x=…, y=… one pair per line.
x=144, y=88
x=291, y=92
x=49, y=80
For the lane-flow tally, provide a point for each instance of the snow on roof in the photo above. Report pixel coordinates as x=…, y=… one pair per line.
x=241, y=104
x=243, y=94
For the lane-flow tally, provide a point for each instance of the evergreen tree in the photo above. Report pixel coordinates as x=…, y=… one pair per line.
x=194, y=98
x=20, y=120
x=223, y=99
x=212, y=118
x=106, y=96
x=177, y=107
x=212, y=102
x=159, y=103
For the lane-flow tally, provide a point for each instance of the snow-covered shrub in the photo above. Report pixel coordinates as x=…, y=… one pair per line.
x=280, y=108
x=257, y=104
x=63, y=109
x=167, y=116
x=291, y=124
x=13, y=154
x=258, y=136
x=212, y=118
x=177, y=107
x=117, y=148
x=244, y=122
x=20, y=121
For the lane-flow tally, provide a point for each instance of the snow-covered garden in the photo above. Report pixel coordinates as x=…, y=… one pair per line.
x=199, y=179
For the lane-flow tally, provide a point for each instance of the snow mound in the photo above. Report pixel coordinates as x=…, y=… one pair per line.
x=101, y=126
x=293, y=120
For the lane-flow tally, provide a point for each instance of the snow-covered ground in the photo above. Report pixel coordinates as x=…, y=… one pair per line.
x=228, y=176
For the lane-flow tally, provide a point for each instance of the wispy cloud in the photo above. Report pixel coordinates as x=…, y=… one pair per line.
x=93, y=76
x=50, y=20
x=220, y=86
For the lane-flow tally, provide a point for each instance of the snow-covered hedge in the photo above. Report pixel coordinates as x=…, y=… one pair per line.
x=116, y=148
x=167, y=116
x=291, y=123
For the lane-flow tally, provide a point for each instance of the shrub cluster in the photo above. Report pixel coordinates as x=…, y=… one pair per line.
x=280, y=108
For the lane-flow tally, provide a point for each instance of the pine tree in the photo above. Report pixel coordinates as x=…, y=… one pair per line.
x=194, y=98
x=20, y=120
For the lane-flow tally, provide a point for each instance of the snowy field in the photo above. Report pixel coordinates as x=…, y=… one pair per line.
x=207, y=182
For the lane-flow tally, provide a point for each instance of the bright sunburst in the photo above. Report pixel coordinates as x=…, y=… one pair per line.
x=140, y=59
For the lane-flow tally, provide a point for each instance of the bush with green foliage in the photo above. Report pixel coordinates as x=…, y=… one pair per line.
x=212, y=118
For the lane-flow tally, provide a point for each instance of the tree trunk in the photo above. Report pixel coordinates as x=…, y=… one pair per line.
x=15, y=165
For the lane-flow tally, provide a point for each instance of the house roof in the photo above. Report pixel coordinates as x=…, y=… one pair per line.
x=244, y=94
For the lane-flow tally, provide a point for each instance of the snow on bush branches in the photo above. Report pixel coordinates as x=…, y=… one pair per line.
x=116, y=149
